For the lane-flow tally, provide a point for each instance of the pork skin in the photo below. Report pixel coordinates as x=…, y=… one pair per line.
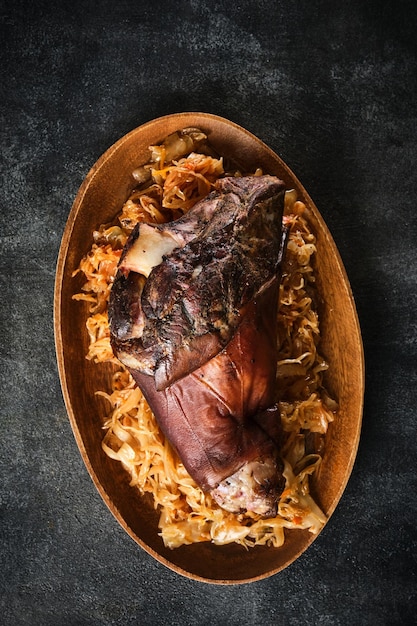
x=193, y=316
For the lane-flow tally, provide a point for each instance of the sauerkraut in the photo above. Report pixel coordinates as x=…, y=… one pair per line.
x=181, y=171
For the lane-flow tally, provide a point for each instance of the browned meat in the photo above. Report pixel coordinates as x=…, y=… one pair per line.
x=193, y=316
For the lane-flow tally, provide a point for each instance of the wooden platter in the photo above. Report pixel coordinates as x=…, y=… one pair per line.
x=99, y=199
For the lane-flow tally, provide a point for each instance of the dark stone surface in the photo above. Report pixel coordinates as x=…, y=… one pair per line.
x=332, y=88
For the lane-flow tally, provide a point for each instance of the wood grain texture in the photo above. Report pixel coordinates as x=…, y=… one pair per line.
x=99, y=199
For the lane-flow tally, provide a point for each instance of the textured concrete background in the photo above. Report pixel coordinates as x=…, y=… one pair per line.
x=332, y=88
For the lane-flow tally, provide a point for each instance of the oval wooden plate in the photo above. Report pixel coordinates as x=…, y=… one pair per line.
x=99, y=199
